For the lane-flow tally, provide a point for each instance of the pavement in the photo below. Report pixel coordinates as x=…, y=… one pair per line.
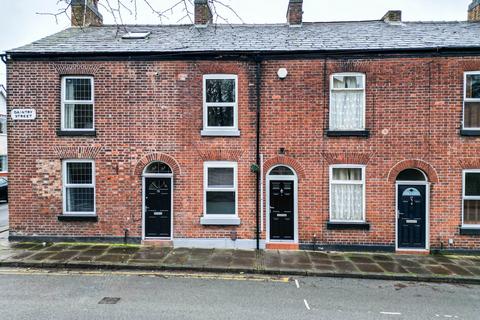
x=434, y=268
x=43, y=294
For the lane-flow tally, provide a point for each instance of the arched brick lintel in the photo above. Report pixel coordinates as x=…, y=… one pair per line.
x=285, y=160
x=157, y=156
x=413, y=164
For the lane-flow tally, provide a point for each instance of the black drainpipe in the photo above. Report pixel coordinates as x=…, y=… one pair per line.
x=258, y=77
x=3, y=57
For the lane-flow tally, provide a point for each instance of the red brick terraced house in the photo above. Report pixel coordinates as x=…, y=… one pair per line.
x=357, y=135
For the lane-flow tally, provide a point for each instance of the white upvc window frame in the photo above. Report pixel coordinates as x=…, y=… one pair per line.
x=465, y=99
x=223, y=219
x=362, y=182
x=65, y=102
x=464, y=197
x=220, y=131
x=364, y=89
x=65, y=186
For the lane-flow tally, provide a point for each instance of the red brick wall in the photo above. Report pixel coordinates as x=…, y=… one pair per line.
x=413, y=111
x=142, y=108
x=145, y=109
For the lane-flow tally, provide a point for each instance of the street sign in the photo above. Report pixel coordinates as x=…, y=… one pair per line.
x=24, y=114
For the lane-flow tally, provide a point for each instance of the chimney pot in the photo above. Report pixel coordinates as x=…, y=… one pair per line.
x=393, y=16
x=85, y=13
x=203, y=13
x=295, y=12
x=474, y=11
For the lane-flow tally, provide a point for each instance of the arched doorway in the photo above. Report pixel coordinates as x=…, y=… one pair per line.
x=282, y=208
x=412, y=204
x=157, y=208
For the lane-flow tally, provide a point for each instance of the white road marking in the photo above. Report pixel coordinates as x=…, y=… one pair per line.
x=306, y=304
x=297, y=284
x=391, y=313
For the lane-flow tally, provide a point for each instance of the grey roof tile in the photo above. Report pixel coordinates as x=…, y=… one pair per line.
x=315, y=36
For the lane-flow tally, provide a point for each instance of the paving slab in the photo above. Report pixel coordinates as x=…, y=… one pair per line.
x=369, y=268
x=358, y=259
x=41, y=256
x=122, y=250
x=64, y=255
x=323, y=267
x=392, y=267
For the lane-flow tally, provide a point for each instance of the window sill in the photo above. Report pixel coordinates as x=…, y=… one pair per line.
x=77, y=218
x=220, y=133
x=470, y=133
x=348, y=226
x=214, y=221
x=79, y=133
x=353, y=133
x=469, y=231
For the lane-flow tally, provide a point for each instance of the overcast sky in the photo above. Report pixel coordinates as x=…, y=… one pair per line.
x=20, y=22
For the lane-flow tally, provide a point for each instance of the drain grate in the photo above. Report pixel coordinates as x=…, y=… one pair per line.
x=109, y=300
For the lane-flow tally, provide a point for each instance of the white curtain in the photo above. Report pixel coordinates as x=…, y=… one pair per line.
x=347, y=202
x=69, y=116
x=346, y=110
x=347, y=174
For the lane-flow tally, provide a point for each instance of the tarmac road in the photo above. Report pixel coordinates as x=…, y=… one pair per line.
x=31, y=294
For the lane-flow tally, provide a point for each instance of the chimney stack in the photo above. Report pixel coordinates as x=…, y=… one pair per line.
x=295, y=12
x=393, y=16
x=474, y=11
x=85, y=13
x=203, y=13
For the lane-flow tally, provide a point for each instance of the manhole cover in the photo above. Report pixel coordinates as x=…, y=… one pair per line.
x=109, y=300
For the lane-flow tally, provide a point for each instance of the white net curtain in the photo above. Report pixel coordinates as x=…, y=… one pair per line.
x=346, y=194
x=347, y=103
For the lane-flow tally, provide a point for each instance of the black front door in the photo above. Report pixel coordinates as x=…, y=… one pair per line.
x=411, y=214
x=158, y=205
x=282, y=218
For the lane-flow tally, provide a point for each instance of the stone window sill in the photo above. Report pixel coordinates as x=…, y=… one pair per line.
x=220, y=133
x=348, y=226
x=86, y=133
x=469, y=231
x=77, y=218
x=217, y=221
x=353, y=133
x=470, y=133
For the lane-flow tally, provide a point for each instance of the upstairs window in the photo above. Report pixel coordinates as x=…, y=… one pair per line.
x=79, y=187
x=471, y=105
x=347, y=193
x=220, y=110
x=77, y=104
x=471, y=198
x=347, y=102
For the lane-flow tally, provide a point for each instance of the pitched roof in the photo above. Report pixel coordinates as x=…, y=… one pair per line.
x=314, y=36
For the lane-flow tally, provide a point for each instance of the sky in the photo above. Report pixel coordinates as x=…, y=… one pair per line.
x=21, y=21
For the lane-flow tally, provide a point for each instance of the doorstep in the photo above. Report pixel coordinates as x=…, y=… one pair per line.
x=158, y=243
x=413, y=251
x=281, y=246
